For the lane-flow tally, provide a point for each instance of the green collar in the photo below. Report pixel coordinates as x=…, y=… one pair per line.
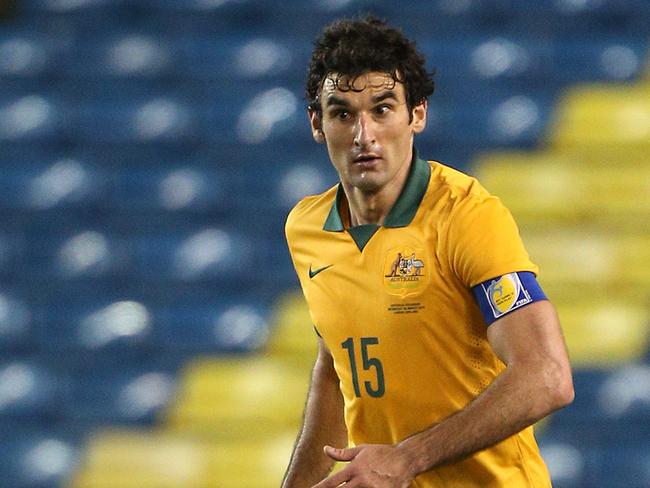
x=405, y=207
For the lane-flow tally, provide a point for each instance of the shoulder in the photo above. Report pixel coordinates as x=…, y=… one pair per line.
x=454, y=184
x=309, y=212
x=453, y=193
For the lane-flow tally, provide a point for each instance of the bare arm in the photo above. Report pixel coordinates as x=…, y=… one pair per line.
x=536, y=381
x=323, y=424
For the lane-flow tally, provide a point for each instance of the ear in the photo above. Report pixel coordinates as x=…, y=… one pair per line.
x=419, y=121
x=316, y=126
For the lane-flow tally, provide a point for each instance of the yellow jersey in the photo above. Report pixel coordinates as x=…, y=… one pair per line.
x=394, y=305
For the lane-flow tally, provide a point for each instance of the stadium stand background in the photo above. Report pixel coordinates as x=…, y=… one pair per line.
x=151, y=330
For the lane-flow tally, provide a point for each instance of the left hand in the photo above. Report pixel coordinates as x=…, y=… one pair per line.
x=370, y=466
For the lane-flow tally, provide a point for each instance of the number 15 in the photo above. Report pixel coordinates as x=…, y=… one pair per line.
x=368, y=363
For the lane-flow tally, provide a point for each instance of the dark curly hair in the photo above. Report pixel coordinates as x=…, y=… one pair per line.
x=352, y=47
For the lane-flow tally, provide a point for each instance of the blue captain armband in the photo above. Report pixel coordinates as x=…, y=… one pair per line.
x=500, y=296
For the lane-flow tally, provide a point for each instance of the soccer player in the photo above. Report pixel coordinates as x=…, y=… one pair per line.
x=437, y=347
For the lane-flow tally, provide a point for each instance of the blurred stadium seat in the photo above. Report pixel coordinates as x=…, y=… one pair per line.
x=188, y=187
x=30, y=117
x=150, y=151
x=42, y=183
x=37, y=458
x=225, y=325
x=16, y=323
x=118, y=394
x=603, y=115
x=139, y=459
x=25, y=55
x=133, y=459
x=93, y=322
x=240, y=398
x=121, y=54
x=29, y=389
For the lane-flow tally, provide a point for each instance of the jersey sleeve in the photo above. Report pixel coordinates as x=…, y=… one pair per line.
x=484, y=242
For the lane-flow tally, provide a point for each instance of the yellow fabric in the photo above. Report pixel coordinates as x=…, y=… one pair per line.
x=403, y=310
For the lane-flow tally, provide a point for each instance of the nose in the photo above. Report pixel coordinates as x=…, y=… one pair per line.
x=364, y=131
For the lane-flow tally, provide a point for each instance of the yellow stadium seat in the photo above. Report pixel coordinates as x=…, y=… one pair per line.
x=293, y=332
x=247, y=464
x=140, y=459
x=605, y=333
x=583, y=258
x=603, y=115
x=559, y=186
x=250, y=396
x=581, y=155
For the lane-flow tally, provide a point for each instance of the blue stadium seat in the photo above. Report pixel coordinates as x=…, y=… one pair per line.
x=16, y=323
x=301, y=179
x=483, y=60
x=568, y=463
x=497, y=119
x=119, y=394
x=31, y=117
x=281, y=180
x=41, y=184
x=71, y=7
x=192, y=253
x=172, y=7
x=191, y=186
x=621, y=466
x=623, y=400
x=221, y=324
x=259, y=114
x=12, y=253
x=576, y=464
x=226, y=58
x=25, y=54
x=29, y=389
x=75, y=252
x=617, y=401
x=567, y=19
x=108, y=318
x=121, y=54
x=117, y=118
x=599, y=59
x=37, y=458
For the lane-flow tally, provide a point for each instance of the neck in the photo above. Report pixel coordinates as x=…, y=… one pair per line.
x=368, y=208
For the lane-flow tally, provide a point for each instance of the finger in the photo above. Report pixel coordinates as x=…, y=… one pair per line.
x=341, y=454
x=334, y=480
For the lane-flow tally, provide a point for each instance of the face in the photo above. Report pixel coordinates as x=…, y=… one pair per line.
x=367, y=130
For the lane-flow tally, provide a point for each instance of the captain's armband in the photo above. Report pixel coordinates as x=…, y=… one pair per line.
x=501, y=295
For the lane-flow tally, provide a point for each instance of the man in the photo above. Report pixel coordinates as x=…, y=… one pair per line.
x=432, y=373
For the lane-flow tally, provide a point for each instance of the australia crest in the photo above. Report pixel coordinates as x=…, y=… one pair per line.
x=405, y=271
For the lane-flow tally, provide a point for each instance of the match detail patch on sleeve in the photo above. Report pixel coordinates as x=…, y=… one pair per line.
x=502, y=295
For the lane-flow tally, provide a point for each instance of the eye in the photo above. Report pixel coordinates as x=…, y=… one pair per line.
x=383, y=109
x=342, y=115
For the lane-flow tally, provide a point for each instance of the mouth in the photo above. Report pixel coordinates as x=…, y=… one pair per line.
x=366, y=159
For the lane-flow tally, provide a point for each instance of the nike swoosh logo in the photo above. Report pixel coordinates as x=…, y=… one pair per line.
x=314, y=272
